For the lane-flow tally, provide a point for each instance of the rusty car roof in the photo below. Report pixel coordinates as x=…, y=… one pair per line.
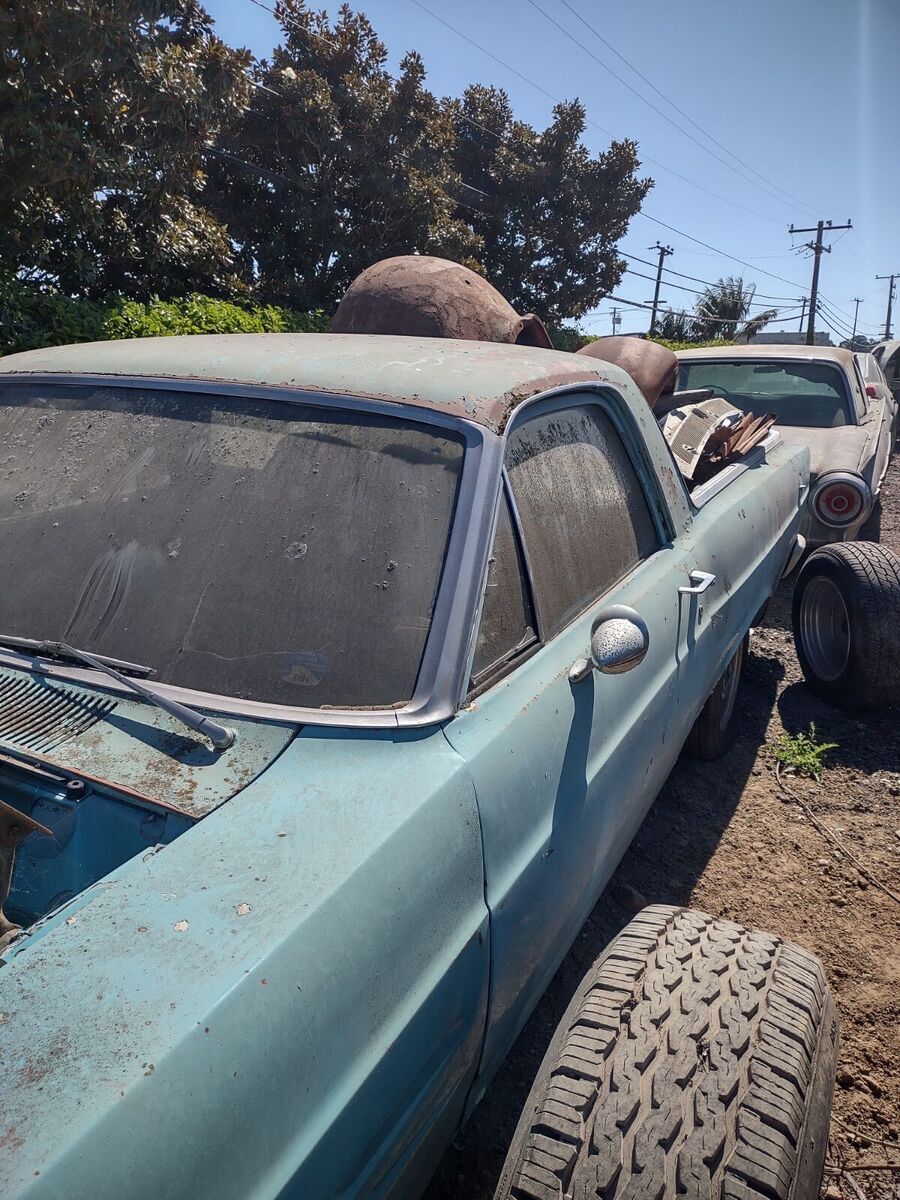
x=476, y=381
x=835, y=354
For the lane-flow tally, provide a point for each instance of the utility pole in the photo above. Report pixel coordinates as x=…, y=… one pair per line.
x=664, y=252
x=857, y=302
x=802, y=315
x=616, y=321
x=887, y=320
x=818, y=250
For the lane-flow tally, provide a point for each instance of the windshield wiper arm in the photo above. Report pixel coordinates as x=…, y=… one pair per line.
x=220, y=735
x=58, y=650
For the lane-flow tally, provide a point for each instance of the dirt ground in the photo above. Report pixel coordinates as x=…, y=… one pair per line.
x=724, y=838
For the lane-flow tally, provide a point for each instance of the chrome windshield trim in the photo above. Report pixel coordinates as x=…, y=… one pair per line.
x=436, y=694
x=443, y=672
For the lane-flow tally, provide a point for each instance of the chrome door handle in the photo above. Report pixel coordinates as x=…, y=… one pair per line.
x=701, y=581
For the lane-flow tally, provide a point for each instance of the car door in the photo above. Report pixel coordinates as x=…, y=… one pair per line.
x=564, y=771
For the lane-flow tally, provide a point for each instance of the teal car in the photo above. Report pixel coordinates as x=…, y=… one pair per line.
x=336, y=675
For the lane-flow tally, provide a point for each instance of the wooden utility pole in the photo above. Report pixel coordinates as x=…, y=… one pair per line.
x=616, y=321
x=664, y=252
x=818, y=250
x=857, y=302
x=887, y=320
x=802, y=314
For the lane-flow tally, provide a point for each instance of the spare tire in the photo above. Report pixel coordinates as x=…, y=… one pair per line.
x=846, y=618
x=697, y=1059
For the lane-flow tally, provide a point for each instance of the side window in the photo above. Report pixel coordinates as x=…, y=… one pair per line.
x=584, y=515
x=507, y=624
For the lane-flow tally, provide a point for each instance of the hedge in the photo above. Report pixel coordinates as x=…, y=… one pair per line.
x=30, y=318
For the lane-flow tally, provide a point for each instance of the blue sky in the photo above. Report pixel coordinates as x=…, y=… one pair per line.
x=805, y=92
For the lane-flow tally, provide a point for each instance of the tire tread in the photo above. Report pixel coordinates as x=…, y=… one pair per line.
x=685, y=1067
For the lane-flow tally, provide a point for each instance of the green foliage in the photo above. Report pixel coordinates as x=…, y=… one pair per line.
x=30, y=318
x=202, y=314
x=803, y=752
x=548, y=215
x=569, y=337
x=692, y=345
x=106, y=110
x=347, y=164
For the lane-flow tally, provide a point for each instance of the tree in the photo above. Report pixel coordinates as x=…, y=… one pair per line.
x=337, y=164
x=860, y=343
x=105, y=109
x=675, y=327
x=548, y=214
x=756, y=324
x=722, y=308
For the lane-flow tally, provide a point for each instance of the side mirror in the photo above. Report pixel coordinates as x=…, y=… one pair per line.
x=620, y=641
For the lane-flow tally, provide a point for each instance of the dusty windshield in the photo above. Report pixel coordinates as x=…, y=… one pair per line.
x=809, y=394
x=250, y=548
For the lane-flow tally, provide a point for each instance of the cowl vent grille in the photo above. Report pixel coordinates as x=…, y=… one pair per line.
x=40, y=714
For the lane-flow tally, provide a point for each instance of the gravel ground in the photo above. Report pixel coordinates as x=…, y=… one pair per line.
x=724, y=838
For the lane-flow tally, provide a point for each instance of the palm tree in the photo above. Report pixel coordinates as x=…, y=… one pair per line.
x=722, y=308
x=752, y=327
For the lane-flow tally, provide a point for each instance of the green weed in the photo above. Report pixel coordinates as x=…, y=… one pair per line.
x=803, y=752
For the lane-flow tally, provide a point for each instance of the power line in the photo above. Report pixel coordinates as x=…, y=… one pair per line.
x=590, y=121
x=693, y=291
x=844, y=337
x=672, y=103
x=650, y=103
x=648, y=307
x=538, y=87
x=696, y=278
x=721, y=253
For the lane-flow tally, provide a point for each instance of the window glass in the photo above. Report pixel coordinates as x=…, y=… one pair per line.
x=506, y=621
x=799, y=393
x=584, y=515
x=254, y=548
x=871, y=369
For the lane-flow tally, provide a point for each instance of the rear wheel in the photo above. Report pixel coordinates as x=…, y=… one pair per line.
x=716, y=729
x=846, y=617
x=697, y=1059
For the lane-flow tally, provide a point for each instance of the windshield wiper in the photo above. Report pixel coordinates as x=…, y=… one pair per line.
x=220, y=735
x=58, y=650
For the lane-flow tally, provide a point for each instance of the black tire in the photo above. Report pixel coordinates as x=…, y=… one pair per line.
x=846, y=617
x=697, y=1059
x=716, y=729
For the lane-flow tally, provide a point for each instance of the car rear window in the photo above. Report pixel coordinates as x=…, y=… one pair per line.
x=253, y=548
x=799, y=393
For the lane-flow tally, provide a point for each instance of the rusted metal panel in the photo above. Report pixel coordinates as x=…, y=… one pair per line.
x=652, y=367
x=141, y=749
x=475, y=381
x=423, y=296
x=213, y=1018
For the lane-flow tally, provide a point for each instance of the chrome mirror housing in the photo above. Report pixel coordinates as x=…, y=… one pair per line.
x=620, y=641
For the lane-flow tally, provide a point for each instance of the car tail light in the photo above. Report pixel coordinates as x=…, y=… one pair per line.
x=840, y=500
x=871, y=391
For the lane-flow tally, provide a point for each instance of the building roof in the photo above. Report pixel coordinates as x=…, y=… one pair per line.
x=768, y=351
x=476, y=381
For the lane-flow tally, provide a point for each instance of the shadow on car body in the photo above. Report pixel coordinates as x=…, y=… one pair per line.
x=666, y=858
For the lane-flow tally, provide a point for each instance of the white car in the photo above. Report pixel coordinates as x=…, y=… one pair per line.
x=832, y=400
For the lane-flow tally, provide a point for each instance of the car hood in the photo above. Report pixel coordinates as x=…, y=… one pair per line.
x=131, y=744
x=842, y=449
